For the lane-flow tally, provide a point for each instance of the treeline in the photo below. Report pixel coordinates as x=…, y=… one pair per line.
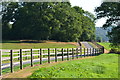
x=47, y=21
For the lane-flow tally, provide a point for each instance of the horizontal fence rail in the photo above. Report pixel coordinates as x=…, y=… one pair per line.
x=20, y=57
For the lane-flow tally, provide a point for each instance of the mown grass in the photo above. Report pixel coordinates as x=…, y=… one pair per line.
x=102, y=66
x=20, y=45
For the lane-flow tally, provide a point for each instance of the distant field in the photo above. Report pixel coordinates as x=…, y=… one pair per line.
x=102, y=66
x=26, y=45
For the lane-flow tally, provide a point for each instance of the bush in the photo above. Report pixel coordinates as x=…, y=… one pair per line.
x=115, y=51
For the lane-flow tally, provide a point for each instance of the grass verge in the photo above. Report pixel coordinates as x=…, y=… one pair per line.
x=103, y=66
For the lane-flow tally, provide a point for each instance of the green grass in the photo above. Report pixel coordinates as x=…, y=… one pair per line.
x=102, y=66
x=105, y=44
x=18, y=45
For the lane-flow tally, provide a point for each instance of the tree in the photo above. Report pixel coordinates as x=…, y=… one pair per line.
x=99, y=39
x=111, y=10
x=67, y=26
x=88, y=25
x=46, y=21
x=28, y=22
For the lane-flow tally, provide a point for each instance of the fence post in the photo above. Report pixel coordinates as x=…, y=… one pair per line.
x=90, y=52
x=87, y=52
x=55, y=55
x=84, y=52
x=48, y=55
x=103, y=50
x=21, y=65
x=67, y=54
x=93, y=52
x=81, y=52
x=62, y=55
x=40, y=56
x=31, y=58
x=96, y=51
x=11, y=61
x=77, y=53
x=72, y=53
x=0, y=62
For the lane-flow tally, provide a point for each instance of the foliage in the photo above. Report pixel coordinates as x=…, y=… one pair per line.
x=46, y=21
x=103, y=66
x=88, y=21
x=99, y=39
x=111, y=10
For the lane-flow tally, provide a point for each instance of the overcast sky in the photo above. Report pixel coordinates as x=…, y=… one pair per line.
x=89, y=5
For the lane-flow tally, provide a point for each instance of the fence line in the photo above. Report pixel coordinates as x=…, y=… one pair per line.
x=99, y=46
x=43, y=54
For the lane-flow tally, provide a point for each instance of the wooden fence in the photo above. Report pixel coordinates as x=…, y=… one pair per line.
x=11, y=58
x=98, y=45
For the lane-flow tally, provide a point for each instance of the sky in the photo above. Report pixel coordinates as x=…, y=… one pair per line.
x=89, y=5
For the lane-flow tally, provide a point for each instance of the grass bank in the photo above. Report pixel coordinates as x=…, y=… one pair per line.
x=105, y=44
x=108, y=47
x=102, y=66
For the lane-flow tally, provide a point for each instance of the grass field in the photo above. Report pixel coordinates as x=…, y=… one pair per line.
x=102, y=66
x=23, y=45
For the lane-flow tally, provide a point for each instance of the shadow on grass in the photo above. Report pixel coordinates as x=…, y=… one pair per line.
x=23, y=41
x=114, y=53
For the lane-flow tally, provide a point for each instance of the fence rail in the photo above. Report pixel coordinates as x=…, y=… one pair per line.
x=11, y=58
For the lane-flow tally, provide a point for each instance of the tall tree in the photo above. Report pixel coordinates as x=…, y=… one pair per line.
x=88, y=24
x=111, y=10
